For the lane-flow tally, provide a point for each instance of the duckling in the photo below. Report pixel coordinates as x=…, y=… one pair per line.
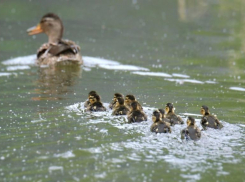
x=129, y=99
x=56, y=51
x=192, y=131
x=209, y=120
x=95, y=104
x=162, y=111
x=158, y=125
x=136, y=115
x=114, y=100
x=87, y=103
x=174, y=119
x=120, y=108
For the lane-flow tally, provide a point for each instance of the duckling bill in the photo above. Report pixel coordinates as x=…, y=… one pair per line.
x=57, y=50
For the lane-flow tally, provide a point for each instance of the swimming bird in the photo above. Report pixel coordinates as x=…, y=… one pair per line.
x=162, y=111
x=174, y=119
x=208, y=120
x=129, y=99
x=114, y=100
x=95, y=104
x=120, y=108
x=87, y=102
x=159, y=126
x=57, y=51
x=136, y=114
x=192, y=131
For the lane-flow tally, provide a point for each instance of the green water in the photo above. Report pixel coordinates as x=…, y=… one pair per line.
x=44, y=134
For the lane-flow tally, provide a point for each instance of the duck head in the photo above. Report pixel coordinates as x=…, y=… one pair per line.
x=51, y=25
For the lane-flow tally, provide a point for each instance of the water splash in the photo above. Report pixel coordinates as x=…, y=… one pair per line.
x=214, y=145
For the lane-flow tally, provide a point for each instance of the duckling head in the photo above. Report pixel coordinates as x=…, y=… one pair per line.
x=129, y=99
x=156, y=116
x=190, y=121
x=94, y=98
x=120, y=101
x=169, y=108
x=117, y=95
x=162, y=111
x=204, y=110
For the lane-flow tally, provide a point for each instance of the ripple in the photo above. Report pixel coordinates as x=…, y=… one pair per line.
x=24, y=60
x=14, y=68
x=182, y=81
x=214, y=145
x=152, y=74
x=5, y=74
x=123, y=67
x=237, y=89
x=180, y=75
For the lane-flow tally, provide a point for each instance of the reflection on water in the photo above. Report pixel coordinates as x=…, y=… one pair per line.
x=56, y=81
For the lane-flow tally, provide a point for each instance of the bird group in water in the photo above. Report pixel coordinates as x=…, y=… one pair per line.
x=58, y=51
x=163, y=119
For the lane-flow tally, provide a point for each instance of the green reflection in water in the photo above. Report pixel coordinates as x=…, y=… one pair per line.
x=203, y=39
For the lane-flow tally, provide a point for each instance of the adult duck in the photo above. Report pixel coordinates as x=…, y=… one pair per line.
x=57, y=50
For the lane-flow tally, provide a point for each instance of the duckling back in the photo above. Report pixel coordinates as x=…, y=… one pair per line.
x=137, y=116
x=211, y=122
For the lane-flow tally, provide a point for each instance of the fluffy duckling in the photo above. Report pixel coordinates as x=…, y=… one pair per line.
x=95, y=104
x=57, y=50
x=87, y=103
x=136, y=115
x=209, y=120
x=192, y=131
x=174, y=119
x=162, y=111
x=158, y=125
x=114, y=100
x=120, y=108
x=129, y=99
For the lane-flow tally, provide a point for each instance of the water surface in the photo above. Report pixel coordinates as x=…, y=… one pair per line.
x=184, y=52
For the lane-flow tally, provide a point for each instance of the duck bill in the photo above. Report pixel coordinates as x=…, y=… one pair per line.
x=35, y=30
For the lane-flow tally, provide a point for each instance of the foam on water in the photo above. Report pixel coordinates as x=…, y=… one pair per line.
x=180, y=75
x=237, y=89
x=14, y=68
x=218, y=145
x=25, y=60
x=182, y=81
x=152, y=74
x=65, y=155
x=5, y=74
x=123, y=67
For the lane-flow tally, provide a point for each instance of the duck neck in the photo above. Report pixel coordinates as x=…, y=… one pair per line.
x=55, y=35
x=54, y=38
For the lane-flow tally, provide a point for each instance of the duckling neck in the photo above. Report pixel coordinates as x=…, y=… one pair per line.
x=171, y=111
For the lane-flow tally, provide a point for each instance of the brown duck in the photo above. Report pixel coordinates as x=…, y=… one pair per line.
x=57, y=51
